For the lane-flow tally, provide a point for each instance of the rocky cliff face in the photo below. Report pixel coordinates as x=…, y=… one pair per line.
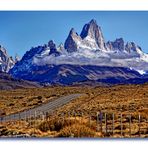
x=6, y=62
x=71, y=43
x=119, y=45
x=91, y=37
x=91, y=32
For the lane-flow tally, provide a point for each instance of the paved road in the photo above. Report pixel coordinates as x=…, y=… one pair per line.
x=48, y=107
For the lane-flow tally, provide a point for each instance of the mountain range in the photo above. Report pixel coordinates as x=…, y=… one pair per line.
x=82, y=58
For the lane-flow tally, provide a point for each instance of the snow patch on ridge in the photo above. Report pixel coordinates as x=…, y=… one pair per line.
x=142, y=72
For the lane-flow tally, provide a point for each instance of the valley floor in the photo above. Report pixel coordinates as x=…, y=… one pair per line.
x=115, y=111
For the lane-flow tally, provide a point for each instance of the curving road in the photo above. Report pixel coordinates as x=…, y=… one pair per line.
x=44, y=108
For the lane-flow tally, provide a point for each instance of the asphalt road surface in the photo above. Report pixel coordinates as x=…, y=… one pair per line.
x=44, y=108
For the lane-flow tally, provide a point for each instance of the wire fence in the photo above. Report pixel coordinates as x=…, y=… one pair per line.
x=123, y=125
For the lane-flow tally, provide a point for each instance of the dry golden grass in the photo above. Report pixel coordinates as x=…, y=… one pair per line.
x=77, y=130
x=122, y=98
x=128, y=99
x=21, y=99
x=74, y=127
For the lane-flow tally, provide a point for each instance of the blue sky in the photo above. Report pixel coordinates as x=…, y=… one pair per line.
x=21, y=30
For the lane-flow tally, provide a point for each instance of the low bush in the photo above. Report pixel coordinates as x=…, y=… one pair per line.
x=55, y=124
x=77, y=130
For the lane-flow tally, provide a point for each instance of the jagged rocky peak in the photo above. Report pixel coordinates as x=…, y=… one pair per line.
x=91, y=37
x=53, y=48
x=10, y=63
x=41, y=51
x=118, y=44
x=3, y=53
x=72, y=31
x=17, y=58
x=73, y=34
x=6, y=62
x=51, y=44
x=132, y=47
x=89, y=29
x=60, y=48
x=109, y=45
x=71, y=43
x=93, y=31
x=32, y=52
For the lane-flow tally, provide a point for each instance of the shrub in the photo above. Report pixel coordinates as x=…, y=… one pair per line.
x=24, y=104
x=77, y=130
x=2, y=113
x=39, y=102
x=55, y=124
x=50, y=125
x=39, y=97
x=11, y=104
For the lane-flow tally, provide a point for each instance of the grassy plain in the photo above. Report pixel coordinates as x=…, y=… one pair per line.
x=78, y=118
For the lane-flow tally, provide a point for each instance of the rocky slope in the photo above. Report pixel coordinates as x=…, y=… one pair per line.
x=8, y=83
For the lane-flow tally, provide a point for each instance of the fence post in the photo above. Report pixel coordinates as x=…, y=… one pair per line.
x=29, y=117
x=19, y=119
x=62, y=118
x=121, y=125
x=35, y=115
x=48, y=116
x=25, y=117
x=43, y=116
x=43, y=119
x=105, y=123
x=139, y=117
x=113, y=118
x=69, y=118
x=97, y=121
x=35, y=121
x=101, y=121
x=8, y=119
x=14, y=117
x=130, y=125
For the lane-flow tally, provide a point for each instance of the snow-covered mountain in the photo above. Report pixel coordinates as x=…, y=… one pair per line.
x=87, y=49
x=90, y=38
x=6, y=62
x=90, y=48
